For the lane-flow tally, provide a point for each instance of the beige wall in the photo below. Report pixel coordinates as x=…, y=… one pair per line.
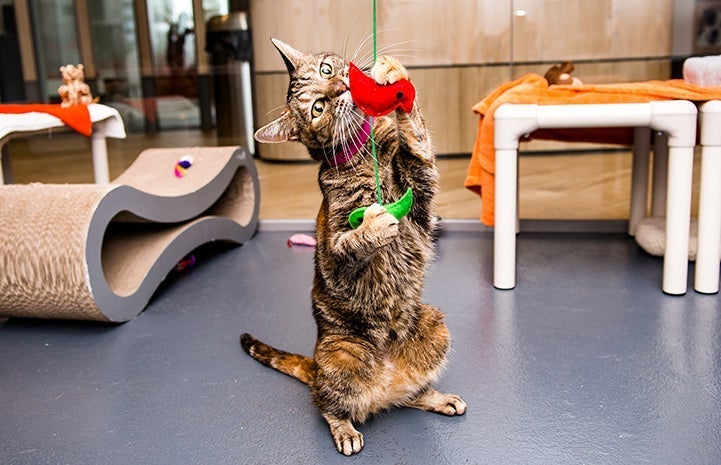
x=459, y=50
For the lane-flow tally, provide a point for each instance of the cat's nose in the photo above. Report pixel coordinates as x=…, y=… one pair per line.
x=337, y=87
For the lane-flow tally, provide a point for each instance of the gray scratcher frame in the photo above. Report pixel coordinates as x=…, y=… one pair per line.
x=123, y=238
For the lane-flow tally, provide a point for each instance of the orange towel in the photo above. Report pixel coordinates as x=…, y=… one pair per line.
x=76, y=117
x=533, y=88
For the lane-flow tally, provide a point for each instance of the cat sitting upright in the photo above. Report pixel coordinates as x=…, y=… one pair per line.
x=378, y=344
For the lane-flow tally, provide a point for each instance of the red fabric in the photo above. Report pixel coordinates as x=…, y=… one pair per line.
x=379, y=100
x=76, y=117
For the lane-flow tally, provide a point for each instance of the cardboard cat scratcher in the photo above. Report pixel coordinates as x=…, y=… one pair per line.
x=99, y=252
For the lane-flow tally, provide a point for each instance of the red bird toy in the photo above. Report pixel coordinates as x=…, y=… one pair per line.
x=378, y=100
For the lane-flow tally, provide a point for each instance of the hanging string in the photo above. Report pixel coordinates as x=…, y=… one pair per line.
x=375, y=32
x=374, y=154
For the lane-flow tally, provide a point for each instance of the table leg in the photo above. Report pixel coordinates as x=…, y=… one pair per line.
x=6, y=171
x=706, y=279
x=678, y=219
x=3, y=162
x=504, y=230
x=639, y=177
x=660, y=174
x=99, y=148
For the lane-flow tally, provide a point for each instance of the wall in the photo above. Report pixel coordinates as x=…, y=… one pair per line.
x=459, y=51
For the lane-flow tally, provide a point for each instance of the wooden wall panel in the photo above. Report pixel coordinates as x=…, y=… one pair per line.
x=420, y=32
x=598, y=29
x=459, y=51
x=446, y=96
x=441, y=32
x=438, y=32
x=307, y=25
x=270, y=91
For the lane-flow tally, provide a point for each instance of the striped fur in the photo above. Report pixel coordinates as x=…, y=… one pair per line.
x=378, y=344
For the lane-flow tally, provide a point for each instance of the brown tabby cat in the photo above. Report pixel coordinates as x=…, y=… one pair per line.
x=378, y=344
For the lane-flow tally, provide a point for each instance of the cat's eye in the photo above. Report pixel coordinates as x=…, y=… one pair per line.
x=326, y=70
x=317, y=109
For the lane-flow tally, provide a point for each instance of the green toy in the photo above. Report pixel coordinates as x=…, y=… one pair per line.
x=398, y=209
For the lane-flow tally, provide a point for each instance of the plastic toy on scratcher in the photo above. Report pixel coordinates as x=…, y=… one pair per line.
x=183, y=164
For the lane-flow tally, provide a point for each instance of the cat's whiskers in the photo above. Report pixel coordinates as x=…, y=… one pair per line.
x=363, y=43
x=338, y=143
x=402, y=56
x=339, y=135
x=346, y=130
x=363, y=153
x=362, y=150
x=366, y=62
x=397, y=47
x=346, y=41
x=276, y=109
x=355, y=127
x=328, y=157
x=367, y=56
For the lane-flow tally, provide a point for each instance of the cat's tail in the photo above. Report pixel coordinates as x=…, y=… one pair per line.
x=298, y=366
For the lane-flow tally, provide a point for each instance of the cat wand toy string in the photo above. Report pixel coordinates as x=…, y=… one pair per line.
x=377, y=100
x=374, y=154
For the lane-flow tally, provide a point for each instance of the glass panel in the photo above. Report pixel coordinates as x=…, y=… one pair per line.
x=174, y=63
x=213, y=8
x=56, y=42
x=12, y=88
x=113, y=33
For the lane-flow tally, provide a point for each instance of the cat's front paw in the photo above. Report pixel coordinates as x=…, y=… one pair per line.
x=382, y=226
x=388, y=70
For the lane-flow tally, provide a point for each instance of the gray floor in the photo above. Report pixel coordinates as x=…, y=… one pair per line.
x=586, y=361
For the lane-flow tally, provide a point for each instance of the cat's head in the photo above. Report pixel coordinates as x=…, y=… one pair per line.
x=319, y=109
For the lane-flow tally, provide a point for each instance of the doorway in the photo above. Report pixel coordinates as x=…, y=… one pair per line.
x=142, y=57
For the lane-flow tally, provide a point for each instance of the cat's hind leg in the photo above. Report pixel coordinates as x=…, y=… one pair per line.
x=346, y=388
x=422, y=356
x=348, y=440
x=438, y=402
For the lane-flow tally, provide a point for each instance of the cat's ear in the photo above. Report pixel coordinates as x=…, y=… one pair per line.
x=280, y=130
x=291, y=56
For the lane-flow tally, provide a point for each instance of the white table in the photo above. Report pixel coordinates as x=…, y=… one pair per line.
x=106, y=123
x=676, y=118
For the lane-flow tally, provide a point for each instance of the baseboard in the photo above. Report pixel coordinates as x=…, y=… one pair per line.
x=468, y=225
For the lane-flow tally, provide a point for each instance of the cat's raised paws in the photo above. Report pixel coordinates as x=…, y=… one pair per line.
x=381, y=224
x=388, y=70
